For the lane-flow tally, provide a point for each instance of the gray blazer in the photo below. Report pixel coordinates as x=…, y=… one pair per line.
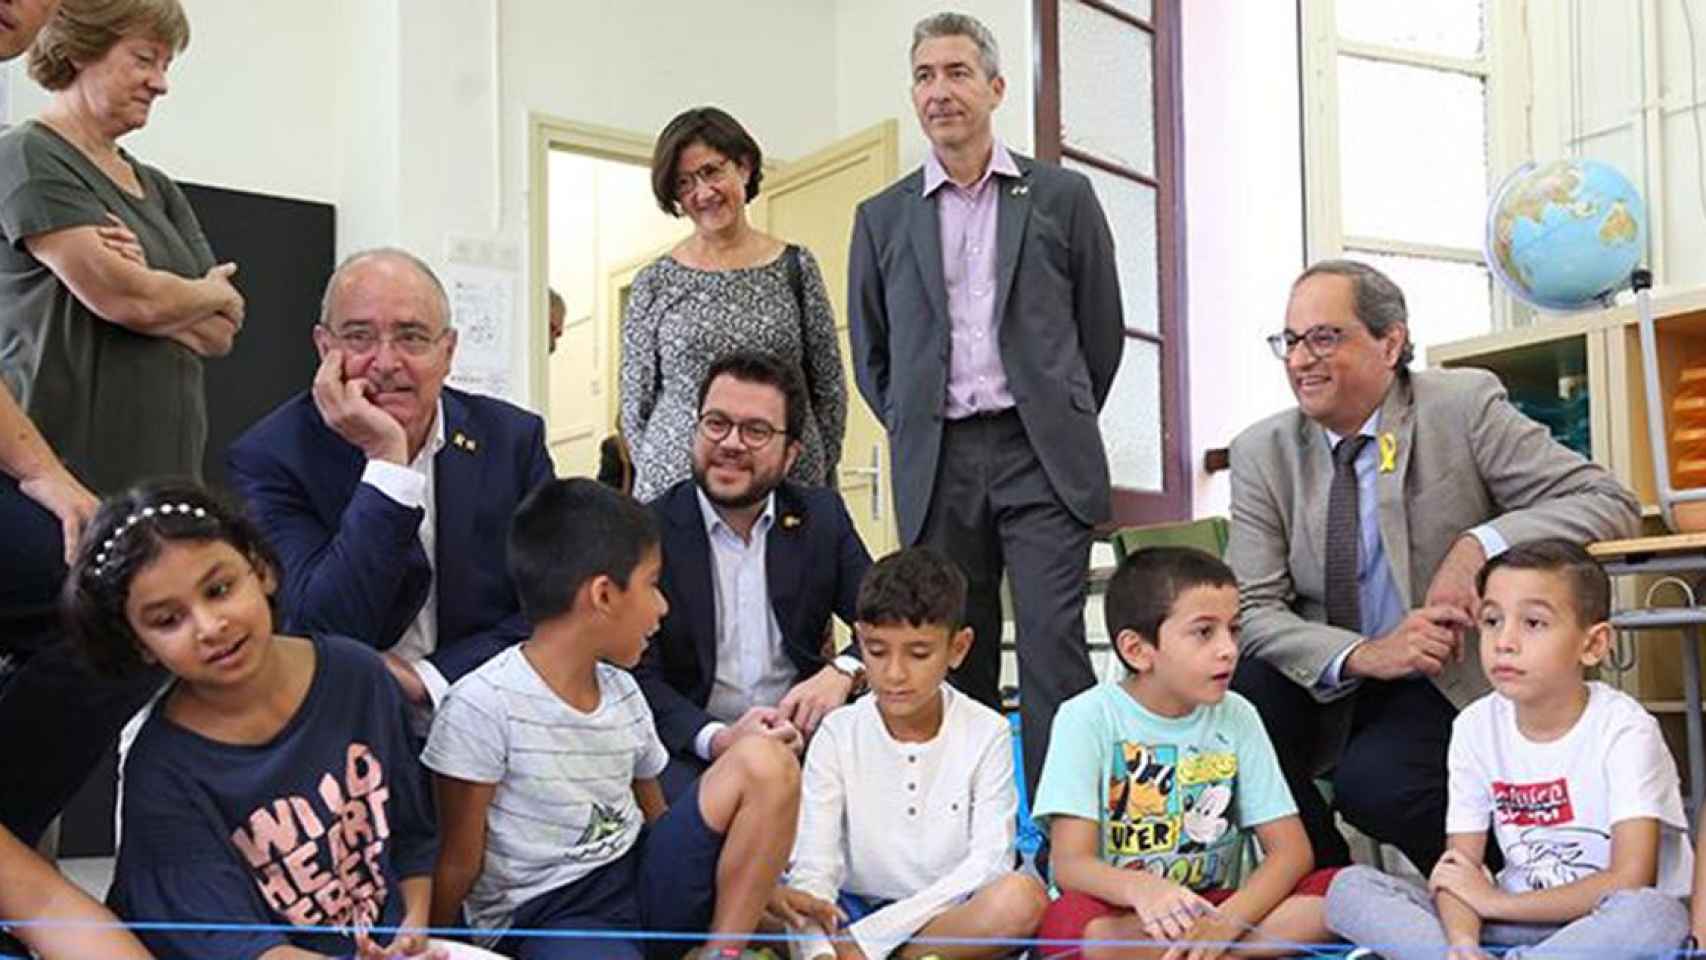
x=1465, y=457
x=1058, y=315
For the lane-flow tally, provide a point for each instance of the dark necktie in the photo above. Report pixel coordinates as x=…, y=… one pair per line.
x=1344, y=537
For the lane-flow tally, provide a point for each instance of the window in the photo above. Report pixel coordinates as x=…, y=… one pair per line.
x=1108, y=107
x=1405, y=137
x=1623, y=89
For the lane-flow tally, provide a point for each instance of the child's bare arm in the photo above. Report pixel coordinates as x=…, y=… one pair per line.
x=1462, y=924
x=462, y=806
x=72, y=924
x=1634, y=864
x=1697, y=912
x=649, y=795
x=1287, y=859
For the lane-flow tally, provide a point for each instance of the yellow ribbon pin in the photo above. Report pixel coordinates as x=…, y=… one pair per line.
x=1388, y=453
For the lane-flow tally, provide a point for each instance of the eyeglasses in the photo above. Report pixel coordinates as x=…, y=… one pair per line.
x=709, y=174
x=1320, y=341
x=754, y=434
x=410, y=341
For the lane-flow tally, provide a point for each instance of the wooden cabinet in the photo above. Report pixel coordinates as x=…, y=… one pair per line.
x=1599, y=352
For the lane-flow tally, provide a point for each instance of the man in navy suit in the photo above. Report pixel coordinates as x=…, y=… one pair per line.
x=387, y=495
x=753, y=567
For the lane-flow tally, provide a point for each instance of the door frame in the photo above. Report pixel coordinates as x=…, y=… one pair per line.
x=545, y=133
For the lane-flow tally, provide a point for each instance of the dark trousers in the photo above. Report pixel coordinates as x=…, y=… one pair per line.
x=993, y=509
x=1390, y=782
x=58, y=720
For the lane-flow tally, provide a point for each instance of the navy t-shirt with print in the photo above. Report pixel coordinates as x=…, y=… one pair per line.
x=313, y=829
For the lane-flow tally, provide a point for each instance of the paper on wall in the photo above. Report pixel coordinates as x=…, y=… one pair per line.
x=482, y=309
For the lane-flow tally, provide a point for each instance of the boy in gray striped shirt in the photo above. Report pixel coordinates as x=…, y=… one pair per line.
x=546, y=763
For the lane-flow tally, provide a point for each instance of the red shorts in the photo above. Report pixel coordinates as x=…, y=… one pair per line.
x=1067, y=917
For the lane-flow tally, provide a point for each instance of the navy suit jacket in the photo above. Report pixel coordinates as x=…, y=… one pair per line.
x=353, y=561
x=813, y=562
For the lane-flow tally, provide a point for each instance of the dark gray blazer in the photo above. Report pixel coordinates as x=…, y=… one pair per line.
x=1058, y=316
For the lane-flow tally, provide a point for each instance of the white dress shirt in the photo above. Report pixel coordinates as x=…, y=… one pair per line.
x=924, y=825
x=752, y=667
x=412, y=486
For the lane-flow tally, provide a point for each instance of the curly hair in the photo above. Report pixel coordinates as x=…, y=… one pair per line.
x=128, y=533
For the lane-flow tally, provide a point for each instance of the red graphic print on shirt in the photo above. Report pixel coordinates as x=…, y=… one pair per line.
x=1533, y=804
x=317, y=864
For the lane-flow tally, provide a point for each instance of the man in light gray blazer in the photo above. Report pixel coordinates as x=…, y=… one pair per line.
x=986, y=329
x=1362, y=672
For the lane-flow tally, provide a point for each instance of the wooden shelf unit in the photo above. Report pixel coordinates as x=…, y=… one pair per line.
x=1605, y=346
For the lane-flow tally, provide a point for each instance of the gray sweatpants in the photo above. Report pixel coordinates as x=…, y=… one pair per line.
x=1396, y=919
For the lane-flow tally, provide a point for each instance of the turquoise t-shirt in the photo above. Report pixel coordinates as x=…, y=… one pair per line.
x=1172, y=795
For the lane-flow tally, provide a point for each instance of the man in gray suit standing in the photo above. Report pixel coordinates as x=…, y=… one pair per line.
x=1359, y=522
x=986, y=328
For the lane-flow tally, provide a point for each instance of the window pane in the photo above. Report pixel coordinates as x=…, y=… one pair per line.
x=1608, y=62
x=1107, y=87
x=1130, y=208
x=1402, y=178
x=1141, y=9
x=1450, y=27
x=1131, y=419
x=1446, y=300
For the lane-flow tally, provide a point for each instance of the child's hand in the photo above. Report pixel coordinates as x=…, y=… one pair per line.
x=1466, y=951
x=794, y=909
x=1167, y=910
x=409, y=943
x=1465, y=879
x=1212, y=935
x=846, y=949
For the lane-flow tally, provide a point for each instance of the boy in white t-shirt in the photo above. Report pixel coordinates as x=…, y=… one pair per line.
x=908, y=800
x=546, y=763
x=1572, y=776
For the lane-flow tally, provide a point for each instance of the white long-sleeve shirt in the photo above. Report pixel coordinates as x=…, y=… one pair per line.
x=924, y=825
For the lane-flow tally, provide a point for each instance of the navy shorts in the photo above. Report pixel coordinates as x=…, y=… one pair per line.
x=667, y=881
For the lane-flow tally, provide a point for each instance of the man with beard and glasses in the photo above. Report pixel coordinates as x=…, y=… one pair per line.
x=387, y=494
x=753, y=567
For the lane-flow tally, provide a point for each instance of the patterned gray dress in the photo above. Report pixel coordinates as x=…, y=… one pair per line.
x=680, y=320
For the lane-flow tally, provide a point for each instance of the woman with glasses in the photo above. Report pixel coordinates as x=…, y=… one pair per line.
x=102, y=343
x=727, y=287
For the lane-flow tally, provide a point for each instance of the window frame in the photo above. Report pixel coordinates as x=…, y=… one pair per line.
x=1173, y=501
x=1502, y=66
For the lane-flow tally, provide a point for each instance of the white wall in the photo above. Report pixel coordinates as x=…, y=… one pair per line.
x=872, y=68
x=1243, y=217
x=248, y=101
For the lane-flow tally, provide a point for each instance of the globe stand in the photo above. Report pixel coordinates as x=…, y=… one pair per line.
x=1641, y=281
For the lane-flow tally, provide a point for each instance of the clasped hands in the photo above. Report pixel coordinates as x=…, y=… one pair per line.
x=1173, y=914
x=1431, y=637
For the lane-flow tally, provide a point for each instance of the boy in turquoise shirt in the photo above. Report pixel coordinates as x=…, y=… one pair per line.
x=1152, y=783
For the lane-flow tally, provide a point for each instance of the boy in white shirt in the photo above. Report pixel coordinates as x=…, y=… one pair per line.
x=1574, y=779
x=908, y=799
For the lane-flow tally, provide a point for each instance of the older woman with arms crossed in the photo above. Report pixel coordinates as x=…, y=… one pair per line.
x=109, y=299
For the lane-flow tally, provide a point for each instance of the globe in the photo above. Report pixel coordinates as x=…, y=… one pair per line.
x=1565, y=234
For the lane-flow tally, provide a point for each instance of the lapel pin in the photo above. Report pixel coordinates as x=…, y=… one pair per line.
x=1388, y=452
x=461, y=442
x=1020, y=189
x=790, y=521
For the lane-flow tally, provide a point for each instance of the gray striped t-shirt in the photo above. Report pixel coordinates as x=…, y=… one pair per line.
x=564, y=804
